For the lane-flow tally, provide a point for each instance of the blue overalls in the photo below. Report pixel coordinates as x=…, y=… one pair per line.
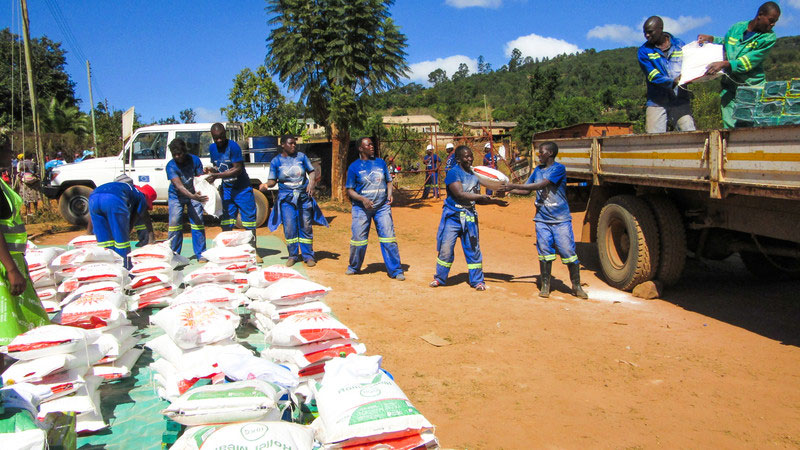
x=237, y=195
x=459, y=221
x=194, y=208
x=432, y=175
x=295, y=206
x=369, y=178
x=111, y=207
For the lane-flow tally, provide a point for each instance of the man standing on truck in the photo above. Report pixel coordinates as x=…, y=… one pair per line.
x=460, y=220
x=553, y=220
x=660, y=58
x=296, y=207
x=181, y=170
x=114, y=209
x=746, y=46
x=369, y=186
x=237, y=195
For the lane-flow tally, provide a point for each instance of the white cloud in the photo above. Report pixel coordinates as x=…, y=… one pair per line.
x=616, y=33
x=474, y=3
x=203, y=115
x=537, y=46
x=630, y=35
x=419, y=71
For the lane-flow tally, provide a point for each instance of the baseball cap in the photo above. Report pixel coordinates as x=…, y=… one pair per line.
x=449, y=145
x=149, y=194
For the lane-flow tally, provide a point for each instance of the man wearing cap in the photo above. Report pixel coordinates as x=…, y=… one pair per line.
x=489, y=160
x=114, y=209
x=450, y=161
x=432, y=163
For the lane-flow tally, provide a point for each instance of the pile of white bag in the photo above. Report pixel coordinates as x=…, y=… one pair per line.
x=155, y=280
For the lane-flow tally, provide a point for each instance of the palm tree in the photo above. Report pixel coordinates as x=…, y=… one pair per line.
x=58, y=117
x=333, y=52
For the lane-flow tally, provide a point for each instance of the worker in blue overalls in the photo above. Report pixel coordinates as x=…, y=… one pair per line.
x=296, y=207
x=181, y=170
x=432, y=163
x=450, y=161
x=369, y=186
x=460, y=220
x=237, y=195
x=114, y=208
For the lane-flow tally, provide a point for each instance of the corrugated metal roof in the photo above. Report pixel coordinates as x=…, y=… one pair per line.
x=411, y=120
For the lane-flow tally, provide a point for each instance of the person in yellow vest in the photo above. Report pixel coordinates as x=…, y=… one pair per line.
x=20, y=308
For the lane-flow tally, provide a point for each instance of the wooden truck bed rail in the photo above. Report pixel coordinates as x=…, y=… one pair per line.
x=748, y=161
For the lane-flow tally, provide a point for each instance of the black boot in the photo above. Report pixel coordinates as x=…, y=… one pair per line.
x=544, y=278
x=575, y=277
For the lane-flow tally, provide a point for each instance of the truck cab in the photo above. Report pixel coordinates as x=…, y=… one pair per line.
x=144, y=158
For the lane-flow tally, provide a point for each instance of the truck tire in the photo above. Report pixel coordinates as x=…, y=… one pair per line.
x=262, y=210
x=74, y=204
x=774, y=268
x=627, y=242
x=672, y=239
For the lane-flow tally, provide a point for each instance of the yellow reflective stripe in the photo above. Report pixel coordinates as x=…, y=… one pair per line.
x=122, y=244
x=306, y=241
x=547, y=257
x=653, y=55
x=571, y=259
x=139, y=228
x=442, y=263
x=652, y=74
x=105, y=244
x=745, y=62
x=293, y=240
x=467, y=217
x=175, y=228
x=474, y=266
x=358, y=243
x=227, y=222
x=678, y=53
x=197, y=227
x=732, y=40
x=387, y=240
x=249, y=224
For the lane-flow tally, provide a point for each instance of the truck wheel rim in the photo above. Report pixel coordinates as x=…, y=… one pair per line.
x=79, y=206
x=617, y=243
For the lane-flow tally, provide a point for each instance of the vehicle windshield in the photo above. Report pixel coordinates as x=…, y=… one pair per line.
x=149, y=146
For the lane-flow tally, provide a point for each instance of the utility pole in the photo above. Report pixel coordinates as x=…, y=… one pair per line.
x=31, y=87
x=91, y=103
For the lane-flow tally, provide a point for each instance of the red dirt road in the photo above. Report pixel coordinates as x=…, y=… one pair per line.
x=715, y=363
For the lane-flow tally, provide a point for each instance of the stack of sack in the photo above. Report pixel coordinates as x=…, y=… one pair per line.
x=54, y=367
x=360, y=406
x=42, y=276
x=229, y=261
x=155, y=280
x=299, y=328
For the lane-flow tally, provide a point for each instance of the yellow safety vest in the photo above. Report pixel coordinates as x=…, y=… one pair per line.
x=13, y=228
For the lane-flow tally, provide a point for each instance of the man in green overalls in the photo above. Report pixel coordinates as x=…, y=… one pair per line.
x=746, y=46
x=20, y=308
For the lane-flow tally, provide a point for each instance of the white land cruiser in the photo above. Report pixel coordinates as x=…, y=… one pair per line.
x=145, y=159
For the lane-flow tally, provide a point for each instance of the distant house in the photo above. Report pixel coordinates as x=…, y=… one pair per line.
x=313, y=130
x=494, y=128
x=590, y=129
x=420, y=123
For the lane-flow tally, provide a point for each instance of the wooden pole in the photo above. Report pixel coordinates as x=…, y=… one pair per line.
x=31, y=87
x=91, y=104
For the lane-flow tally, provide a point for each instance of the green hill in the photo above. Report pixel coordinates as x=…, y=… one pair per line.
x=605, y=86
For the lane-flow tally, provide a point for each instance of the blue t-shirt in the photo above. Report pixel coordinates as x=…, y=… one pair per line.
x=290, y=171
x=451, y=162
x=186, y=173
x=369, y=178
x=551, y=201
x=490, y=160
x=135, y=200
x=469, y=183
x=431, y=162
x=224, y=161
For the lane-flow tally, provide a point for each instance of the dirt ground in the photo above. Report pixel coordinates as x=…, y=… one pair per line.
x=715, y=363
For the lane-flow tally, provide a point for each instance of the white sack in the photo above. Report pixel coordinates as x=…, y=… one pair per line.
x=225, y=403
x=308, y=327
x=213, y=206
x=233, y=238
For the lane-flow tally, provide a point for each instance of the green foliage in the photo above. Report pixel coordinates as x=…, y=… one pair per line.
x=256, y=100
x=51, y=80
x=437, y=77
x=515, y=61
x=333, y=52
x=461, y=73
x=187, y=115
x=58, y=117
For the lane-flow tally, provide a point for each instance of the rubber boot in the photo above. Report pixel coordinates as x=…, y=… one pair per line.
x=544, y=277
x=254, y=244
x=575, y=277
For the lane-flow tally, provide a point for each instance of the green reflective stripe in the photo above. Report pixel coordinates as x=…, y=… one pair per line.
x=139, y=228
x=652, y=74
x=248, y=224
x=474, y=266
x=732, y=40
x=387, y=240
x=678, y=53
x=358, y=243
x=197, y=227
x=175, y=228
x=293, y=240
x=442, y=263
x=653, y=55
x=547, y=257
x=467, y=217
x=306, y=241
x=227, y=222
x=745, y=62
x=105, y=244
x=122, y=244
x=571, y=259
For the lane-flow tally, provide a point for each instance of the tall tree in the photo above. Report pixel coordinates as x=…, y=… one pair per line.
x=187, y=115
x=461, y=73
x=334, y=52
x=437, y=77
x=538, y=115
x=515, y=61
x=50, y=78
x=58, y=117
x=255, y=99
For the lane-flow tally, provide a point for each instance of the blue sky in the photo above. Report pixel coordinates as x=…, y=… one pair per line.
x=165, y=56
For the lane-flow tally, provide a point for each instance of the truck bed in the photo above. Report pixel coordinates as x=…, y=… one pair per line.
x=762, y=162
